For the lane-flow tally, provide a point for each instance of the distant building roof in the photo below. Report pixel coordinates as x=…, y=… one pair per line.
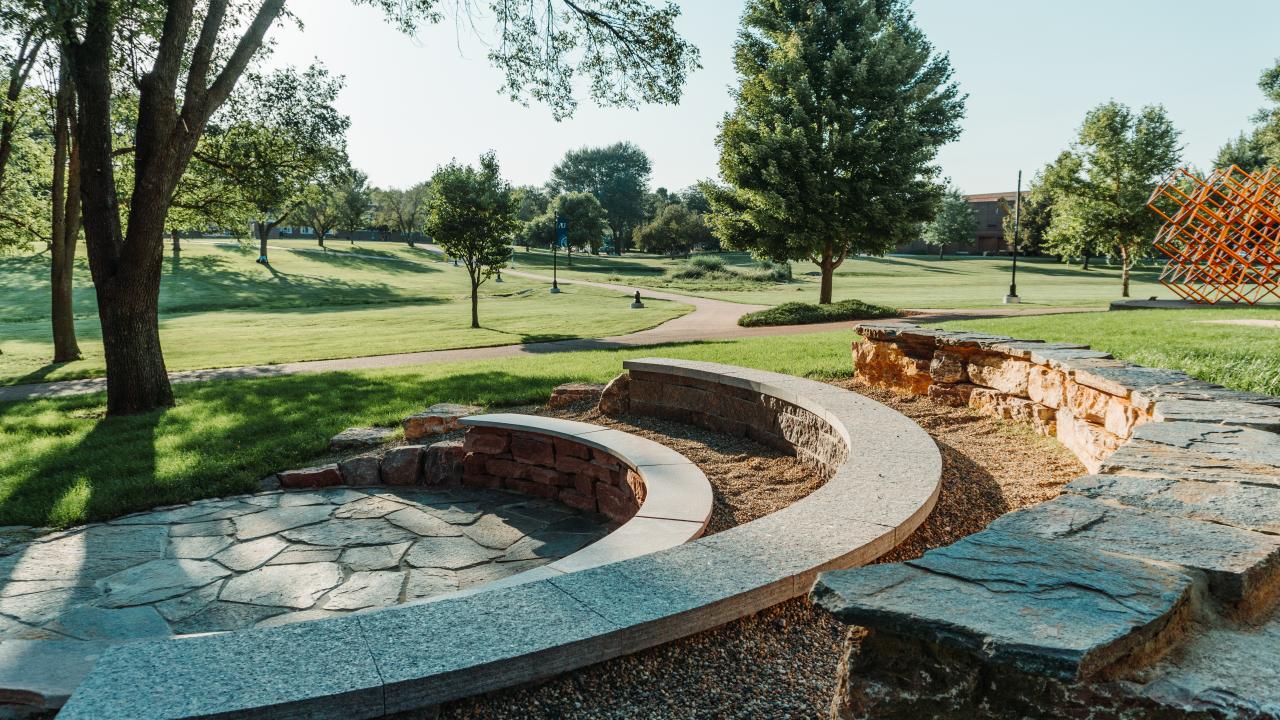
x=992, y=197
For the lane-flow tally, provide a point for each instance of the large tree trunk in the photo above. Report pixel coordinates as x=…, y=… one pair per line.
x=1125, y=264
x=65, y=228
x=475, y=303
x=827, y=264
x=1085, y=264
x=940, y=249
x=264, y=231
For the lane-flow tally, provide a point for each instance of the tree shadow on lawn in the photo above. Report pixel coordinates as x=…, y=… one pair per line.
x=220, y=439
x=360, y=259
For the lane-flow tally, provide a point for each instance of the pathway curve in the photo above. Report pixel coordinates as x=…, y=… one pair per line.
x=710, y=320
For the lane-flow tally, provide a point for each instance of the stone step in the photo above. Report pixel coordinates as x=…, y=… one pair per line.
x=1038, y=605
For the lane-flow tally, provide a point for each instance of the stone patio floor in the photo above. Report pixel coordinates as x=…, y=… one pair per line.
x=272, y=558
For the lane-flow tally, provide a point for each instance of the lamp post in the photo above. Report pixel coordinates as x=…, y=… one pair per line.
x=562, y=234
x=1012, y=297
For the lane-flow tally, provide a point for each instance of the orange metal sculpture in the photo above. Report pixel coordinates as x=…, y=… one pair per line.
x=1221, y=234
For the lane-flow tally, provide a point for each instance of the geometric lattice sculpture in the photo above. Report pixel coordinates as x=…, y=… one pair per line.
x=1221, y=235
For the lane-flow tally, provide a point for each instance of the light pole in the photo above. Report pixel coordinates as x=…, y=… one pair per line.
x=562, y=234
x=1012, y=297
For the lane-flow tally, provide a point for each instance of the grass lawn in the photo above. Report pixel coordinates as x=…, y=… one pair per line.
x=1237, y=356
x=907, y=281
x=62, y=462
x=219, y=308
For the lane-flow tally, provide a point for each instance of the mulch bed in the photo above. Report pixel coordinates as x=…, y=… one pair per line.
x=781, y=663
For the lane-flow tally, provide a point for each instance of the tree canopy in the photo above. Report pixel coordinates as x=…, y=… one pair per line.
x=956, y=222
x=617, y=175
x=472, y=214
x=840, y=110
x=1101, y=185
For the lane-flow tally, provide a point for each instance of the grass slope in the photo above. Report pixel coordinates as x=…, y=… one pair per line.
x=62, y=462
x=1238, y=356
x=913, y=281
x=219, y=308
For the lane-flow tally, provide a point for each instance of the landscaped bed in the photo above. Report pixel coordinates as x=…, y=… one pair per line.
x=798, y=313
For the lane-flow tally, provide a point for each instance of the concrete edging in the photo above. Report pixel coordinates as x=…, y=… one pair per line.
x=416, y=656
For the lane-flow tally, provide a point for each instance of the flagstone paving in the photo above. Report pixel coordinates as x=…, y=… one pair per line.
x=272, y=558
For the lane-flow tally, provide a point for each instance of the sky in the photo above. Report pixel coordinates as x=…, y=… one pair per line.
x=1031, y=69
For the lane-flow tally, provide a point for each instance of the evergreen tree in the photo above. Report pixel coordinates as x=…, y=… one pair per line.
x=841, y=108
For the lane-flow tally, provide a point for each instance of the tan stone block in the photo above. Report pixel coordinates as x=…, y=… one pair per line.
x=954, y=395
x=1090, y=443
x=948, y=367
x=885, y=365
x=1046, y=386
x=1121, y=418
x=616, y=397
x=1087, y=403
x=1007, y=375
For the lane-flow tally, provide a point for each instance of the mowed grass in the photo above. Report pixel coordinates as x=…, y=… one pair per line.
x=62, y=462
x=219, y=308
x=907, y=281
x=1237, y=356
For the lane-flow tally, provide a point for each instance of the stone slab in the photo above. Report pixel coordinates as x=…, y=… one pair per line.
x=249, y=555
x=636, y=537
x=157, y=580
x=274, y=520
x=369, y=507
x=1219, y=412
x=424, y=522
x=94, y=623
x=46, y=672
x=252, y=673
x=290, y=586
x=421, y=674
x=360, y=437
x=374, y=557
x=1199, y=451
x=219, y=616
x=366, y=589
x=1250, y=507
x=350, y=533
x=1041, y=606
x=449, y=553
x=1242, y=566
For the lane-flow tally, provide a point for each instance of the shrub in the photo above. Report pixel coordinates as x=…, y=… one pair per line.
x=798, y=313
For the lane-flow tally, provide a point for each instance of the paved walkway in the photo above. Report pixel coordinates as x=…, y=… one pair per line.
x=710, y=320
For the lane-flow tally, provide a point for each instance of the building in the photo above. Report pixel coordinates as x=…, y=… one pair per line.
x=989, y=240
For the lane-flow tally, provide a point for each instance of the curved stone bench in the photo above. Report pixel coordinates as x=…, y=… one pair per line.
x=883, y=479
x=1050, y=603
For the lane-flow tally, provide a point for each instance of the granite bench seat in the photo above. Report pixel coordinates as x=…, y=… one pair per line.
x=883, y=475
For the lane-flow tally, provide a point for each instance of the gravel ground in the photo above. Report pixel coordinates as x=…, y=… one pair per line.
x=781, y=663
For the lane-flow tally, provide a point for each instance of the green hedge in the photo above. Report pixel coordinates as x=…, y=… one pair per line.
x=798, y=313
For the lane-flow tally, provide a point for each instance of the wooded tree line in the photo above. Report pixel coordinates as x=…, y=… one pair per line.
x=140, y=126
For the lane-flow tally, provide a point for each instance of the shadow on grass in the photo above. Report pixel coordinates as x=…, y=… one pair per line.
x=219, y=440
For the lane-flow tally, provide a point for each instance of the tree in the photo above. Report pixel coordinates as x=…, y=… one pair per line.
x=586, y=220
x=24, y=32
x=186, y=67
x=354, y=201
x=278, y=136
x=402, y=211
x=617, y=175
x=472, y=214
x=675, y=231
x=1246, y=151
x=840, y=110
x=320, y=208
x=1100, y=187
x=955, y=224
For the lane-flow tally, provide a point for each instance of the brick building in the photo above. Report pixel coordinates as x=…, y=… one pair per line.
x=989, y=240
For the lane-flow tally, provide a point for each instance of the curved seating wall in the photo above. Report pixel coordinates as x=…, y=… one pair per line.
x=884, y=475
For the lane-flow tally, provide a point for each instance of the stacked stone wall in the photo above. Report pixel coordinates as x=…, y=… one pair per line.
x=574, y=474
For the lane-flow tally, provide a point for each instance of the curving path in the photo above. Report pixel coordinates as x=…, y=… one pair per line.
x=710, y=320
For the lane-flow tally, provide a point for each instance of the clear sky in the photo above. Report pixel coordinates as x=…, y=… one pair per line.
x=1031, y=69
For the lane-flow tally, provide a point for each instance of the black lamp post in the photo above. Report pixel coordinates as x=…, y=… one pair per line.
x=562, y=233
x=1012, y=297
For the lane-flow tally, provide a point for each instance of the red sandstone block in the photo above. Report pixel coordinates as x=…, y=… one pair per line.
x=534, y=451
x=486, y=440
x=604, y=459
x=528, y=487
x=506, y=468
x=584, y=484
x=488, y=482
x=616, y=504
x=322, y=476
x=577, y=500
x=567, y=464
x=474, y=464
x=402, y=465
x=568, y=448
x=544, y=476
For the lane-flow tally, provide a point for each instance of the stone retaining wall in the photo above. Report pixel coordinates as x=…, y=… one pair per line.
x=737, y=411
x=576, y=475
x=1098, y=603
